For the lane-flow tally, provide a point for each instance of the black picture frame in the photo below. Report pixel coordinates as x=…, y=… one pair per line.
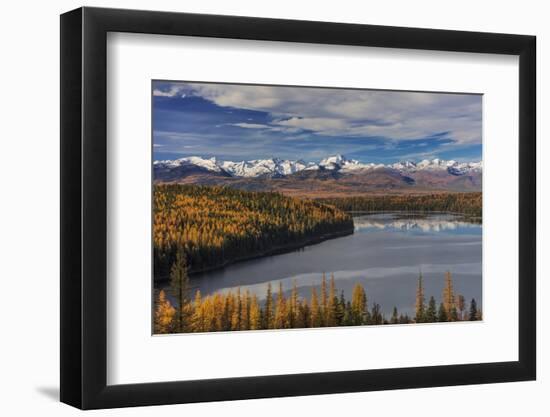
x=84, y=207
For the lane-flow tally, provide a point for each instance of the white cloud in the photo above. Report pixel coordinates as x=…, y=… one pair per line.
x=276, y=127
x=319, y=124
x=173, y=91
x=338, y=112
x=250, y=125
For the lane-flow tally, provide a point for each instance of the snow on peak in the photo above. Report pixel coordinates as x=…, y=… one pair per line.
x=334, y=159
x=209, y=164
x=452, y=166
x=275, y=167
x=404, y=166
x=259, y=167
x=340, y=162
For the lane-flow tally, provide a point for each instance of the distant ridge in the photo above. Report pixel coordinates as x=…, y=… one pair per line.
x=333, y=176
x=275, y=167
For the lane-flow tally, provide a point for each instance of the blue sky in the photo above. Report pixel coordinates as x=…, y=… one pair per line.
x=244, y=122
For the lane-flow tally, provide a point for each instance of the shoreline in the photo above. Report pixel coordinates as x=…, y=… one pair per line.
x=273, y=251
x=313, y=241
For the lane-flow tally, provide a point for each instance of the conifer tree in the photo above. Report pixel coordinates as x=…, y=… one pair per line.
x=280, y=309
x=404, y=319
x=479, y=315
x=224, y=321
x=473, y=310
x=341, y=309
x=214, y=320
x=394, y=317
x=245, y=311
x=420, y=301
x=315, y=312
x=262, y=321
x=324, y=301
x=164, y=315
x=179, y=281
x=332, y=305
x=236, y=310
x=461, y=306
x=293, y=310
x=358, y=305
x=448, y=293
x=289, y=319
x=209, y=311
x=431, y=312
x=304, y=315
x=255, y=316
x=268, y=310
x=453, y=316
x=198, y=313
x=348, y=315
x=376, y=316
x=220, y=303
x=442, y=314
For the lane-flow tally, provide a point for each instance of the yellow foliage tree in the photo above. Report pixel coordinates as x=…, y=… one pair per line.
x=358, y=304
x=448, y=294
x=280, y=309
x=164, y=315
x=315, y=310
x=255, y=314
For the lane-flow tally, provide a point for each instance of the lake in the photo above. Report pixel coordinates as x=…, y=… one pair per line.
x=386, y=253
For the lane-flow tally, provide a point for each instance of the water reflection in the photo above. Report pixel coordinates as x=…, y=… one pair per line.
x=310, y=279
x=385, y=254
x=412, y=222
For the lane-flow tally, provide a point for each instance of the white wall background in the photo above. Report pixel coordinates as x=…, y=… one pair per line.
x=29, y=225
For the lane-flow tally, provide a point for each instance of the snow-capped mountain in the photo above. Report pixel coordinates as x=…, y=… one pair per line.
x=453, y=167
x=246, y=169
x=263, y=167
x=276, y=167
x=192, y=161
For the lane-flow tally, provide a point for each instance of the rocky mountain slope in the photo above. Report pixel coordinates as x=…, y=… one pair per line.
x=334, y=175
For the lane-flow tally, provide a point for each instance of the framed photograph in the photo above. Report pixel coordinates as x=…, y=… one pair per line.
x=257, y=208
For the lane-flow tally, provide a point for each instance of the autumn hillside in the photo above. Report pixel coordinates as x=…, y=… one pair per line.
x=470, y=204
x=216, y=226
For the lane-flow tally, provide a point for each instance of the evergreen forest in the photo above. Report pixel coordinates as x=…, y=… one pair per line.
x=469, y=204
x=216, y=226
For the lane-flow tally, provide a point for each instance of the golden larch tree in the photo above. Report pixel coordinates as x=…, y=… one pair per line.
x=315, y=320
x=448, y=294
x=255, y=314
x=245, y=311
x=198, y=313
x=164, y=315
x=280, y=309
x=358, y=304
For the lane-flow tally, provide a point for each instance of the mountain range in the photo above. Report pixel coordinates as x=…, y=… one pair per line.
x=333, y=175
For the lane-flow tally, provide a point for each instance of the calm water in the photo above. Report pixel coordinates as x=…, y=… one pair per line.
x=385, y=253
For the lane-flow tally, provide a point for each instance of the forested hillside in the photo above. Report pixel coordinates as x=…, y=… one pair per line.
x=218, y=225
x=465, y=203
